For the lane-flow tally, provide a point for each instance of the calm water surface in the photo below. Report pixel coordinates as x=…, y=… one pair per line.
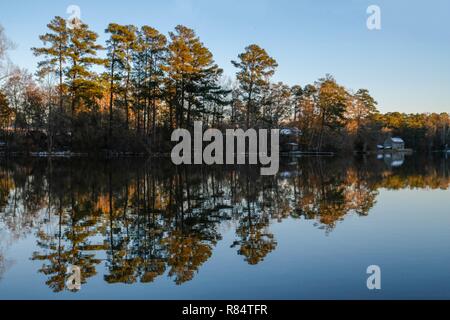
x=148, y=230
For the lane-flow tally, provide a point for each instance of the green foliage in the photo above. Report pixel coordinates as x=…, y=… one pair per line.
x=81, y=80
x=5, y=111
x=152, y=84
x=192, y=76
x=55, y=52
x=255, y=67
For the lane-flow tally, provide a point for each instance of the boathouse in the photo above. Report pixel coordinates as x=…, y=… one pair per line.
x=394, y=144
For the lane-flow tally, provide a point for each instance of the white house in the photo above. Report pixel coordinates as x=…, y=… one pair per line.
x=394, y=144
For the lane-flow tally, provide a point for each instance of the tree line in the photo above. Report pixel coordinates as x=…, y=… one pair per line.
x=130, y=93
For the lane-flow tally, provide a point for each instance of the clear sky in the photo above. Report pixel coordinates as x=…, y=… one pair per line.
x=405, y=65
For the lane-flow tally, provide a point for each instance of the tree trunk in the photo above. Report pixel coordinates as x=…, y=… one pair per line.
x=249, y=104
x=126, y=101
x=111, y=99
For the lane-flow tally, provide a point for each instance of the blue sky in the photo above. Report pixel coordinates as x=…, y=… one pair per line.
x=405, y=65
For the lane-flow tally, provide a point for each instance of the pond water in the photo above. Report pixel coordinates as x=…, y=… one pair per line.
x=149, y=230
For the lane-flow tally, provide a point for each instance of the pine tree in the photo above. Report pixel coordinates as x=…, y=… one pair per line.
x=332, y=104
x=82, y=58
x=121, y=44
x=155, y=51
x=55, y=53
x=191, y=72
x=255, y=67
x=150, y=56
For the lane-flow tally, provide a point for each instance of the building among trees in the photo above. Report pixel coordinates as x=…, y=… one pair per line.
x=394, y=143
x=129, y=99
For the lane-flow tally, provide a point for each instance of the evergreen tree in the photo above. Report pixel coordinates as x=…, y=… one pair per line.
x=332, y=104
x=255, y=67
x=55, y=52
x=192, y=73
x=120, y=48
x=82, y=58
x=149, y=60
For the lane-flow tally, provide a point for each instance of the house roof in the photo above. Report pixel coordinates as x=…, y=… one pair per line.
x=397, y=140
x=290, y=132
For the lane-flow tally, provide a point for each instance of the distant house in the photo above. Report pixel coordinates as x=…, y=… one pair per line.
x=394, y=144
x=289, y=140
x=290, y=132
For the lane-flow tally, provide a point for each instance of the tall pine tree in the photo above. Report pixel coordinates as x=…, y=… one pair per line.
x=255, y=67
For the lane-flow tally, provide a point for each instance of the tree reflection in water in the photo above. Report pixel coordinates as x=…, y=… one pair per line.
x=143, y=220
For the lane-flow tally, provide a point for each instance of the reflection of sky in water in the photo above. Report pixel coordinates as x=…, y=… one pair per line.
x=406, y=233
